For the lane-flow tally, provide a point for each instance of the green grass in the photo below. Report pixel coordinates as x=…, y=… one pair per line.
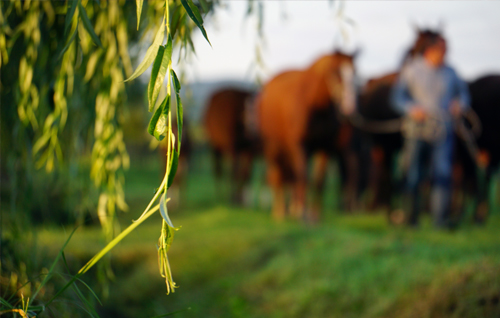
x=233, y=262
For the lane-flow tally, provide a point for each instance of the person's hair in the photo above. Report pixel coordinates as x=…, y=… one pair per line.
x=431, y=38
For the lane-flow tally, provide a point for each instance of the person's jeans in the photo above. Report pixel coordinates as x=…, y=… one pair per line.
x=436, y=159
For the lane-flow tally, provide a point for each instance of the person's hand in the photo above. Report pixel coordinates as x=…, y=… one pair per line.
x=418, y=114
x=455, y=108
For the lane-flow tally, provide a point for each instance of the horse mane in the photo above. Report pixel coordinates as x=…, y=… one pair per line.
x=325, y=63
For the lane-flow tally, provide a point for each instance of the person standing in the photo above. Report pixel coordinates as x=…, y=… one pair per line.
x=428, y=88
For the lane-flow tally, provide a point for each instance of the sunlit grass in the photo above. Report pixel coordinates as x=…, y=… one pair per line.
x=234, y=262
x=238, y=262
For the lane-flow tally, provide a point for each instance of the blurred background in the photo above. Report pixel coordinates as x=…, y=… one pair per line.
x=229, y=258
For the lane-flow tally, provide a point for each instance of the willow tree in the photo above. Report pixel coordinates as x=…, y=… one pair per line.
x=64, y=70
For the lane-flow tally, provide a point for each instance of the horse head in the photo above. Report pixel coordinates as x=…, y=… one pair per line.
x=340, y=79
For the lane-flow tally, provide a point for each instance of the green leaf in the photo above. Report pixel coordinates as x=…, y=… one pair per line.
x=154, y=84
x=177, y=83
x=173, y=170
x=164, y=211
x=160, y=67
x=160, y=128
x=69, y=16
x=195, y=15
x=71, y=39
x=158, y=123
x=150, y=53
x=204, y=6
x=176, y=20
x=138, y=4
x=88, y=25
x=177, y=87
x=154, y=119
x=40, y=143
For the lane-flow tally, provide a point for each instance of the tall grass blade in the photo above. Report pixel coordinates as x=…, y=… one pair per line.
x=51, y=270
x=81, y=281
x=172, y=313
x=89, y=306
x=103, y=252
x=5, y=303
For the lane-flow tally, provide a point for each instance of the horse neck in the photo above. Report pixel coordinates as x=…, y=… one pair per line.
x=317, y=81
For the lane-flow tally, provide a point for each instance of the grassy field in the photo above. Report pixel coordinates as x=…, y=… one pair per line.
x=234, y=262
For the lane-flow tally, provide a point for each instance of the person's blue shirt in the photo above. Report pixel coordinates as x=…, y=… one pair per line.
x=434, y=89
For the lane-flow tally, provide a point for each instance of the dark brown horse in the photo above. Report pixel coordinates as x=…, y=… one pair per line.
x=474, y=167
x=230, y=124
x=299, y=114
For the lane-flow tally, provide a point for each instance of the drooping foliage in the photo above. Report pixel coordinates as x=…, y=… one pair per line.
x=64, y=66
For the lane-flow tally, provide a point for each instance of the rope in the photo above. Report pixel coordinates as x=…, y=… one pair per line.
x=376, y=126
x=469, y=135
x=430, y=130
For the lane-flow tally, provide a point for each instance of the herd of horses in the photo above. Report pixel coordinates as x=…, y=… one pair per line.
x=311, y=115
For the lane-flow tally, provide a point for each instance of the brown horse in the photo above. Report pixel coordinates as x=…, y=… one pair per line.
x=299, y=114
x=230, y=123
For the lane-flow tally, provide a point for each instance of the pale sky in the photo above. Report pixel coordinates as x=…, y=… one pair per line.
x=383, y=29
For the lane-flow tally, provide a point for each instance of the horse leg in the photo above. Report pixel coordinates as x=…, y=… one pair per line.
x=482, y=209
x=350, y=179
x=275, y=179
x=217, y=159
x=298, y=161
x=236, y=182
x=457, y=194
x=318, y=180
x=245, y=174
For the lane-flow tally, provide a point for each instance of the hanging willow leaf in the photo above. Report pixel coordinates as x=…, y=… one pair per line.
x=176, y=20
x=164, y=211
x=204, y=6
x=88, y=25
x=69, y=16
x=173, y=168
x=138, y=4
x=160, y=67
x=195, y=15
x=154, y=120
x=150, y=53
x=177, y=87
x=70, y=40
x=155, y=124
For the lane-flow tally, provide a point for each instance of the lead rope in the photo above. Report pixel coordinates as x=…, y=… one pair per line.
x=431, y=130
x=469, y=135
